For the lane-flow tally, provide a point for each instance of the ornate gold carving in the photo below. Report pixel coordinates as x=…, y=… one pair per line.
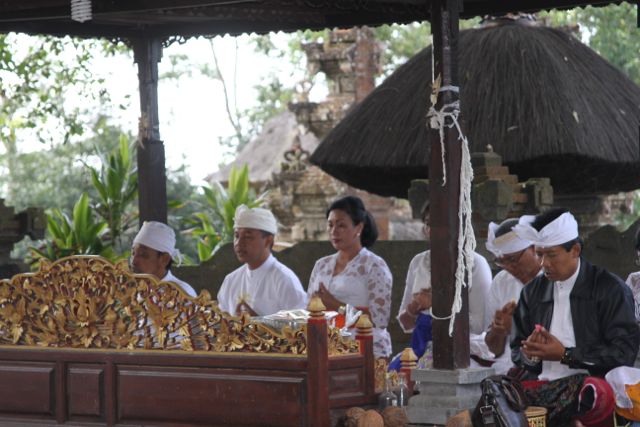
x=364, y=325
x=408, y=358
x=380, y=373
x=88, y=302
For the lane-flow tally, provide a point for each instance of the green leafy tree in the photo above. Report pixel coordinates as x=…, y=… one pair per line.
x=39, y=75
x=612, y=31
x=214, y=225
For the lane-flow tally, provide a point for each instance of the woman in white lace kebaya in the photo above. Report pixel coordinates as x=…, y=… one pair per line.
x=354, y=275
x=633, y=281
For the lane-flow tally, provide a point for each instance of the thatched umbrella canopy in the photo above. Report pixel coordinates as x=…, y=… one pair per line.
x=547, y=103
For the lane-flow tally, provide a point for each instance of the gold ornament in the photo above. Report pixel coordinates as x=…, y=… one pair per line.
x=87, y=302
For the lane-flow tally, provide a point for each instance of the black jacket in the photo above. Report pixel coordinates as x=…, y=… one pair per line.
x=603, y=314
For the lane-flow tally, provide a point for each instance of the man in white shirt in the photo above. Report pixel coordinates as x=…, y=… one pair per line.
x=153, y=251
x=575, y=320
x=262, y=285
x=414, y=315
x=519, y=263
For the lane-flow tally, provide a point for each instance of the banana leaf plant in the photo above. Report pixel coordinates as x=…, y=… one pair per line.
x=80, y=234
x=116, y=183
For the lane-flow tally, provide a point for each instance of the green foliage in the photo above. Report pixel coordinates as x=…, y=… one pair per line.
x=38, y=75
x=611, y=31
x=214, y=225
x=184, y=200
x=96, y=229
x=116, y=183
x=80, y=234
x=54, y=178
x=402, y=42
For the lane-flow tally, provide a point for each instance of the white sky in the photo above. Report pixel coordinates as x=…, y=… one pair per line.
x=192, y=109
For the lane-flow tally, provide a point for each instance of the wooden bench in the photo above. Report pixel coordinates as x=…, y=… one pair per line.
x=85, y=342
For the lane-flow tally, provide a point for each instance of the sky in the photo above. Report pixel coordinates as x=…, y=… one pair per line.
x=192, y=108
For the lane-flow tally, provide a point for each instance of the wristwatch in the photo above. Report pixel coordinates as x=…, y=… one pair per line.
x=567, y=357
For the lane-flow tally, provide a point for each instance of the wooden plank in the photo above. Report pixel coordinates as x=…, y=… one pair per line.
x=28, y=388
x=149, y=394
x=85, y=392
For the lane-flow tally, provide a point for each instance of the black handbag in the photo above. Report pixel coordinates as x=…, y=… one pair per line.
x=502, y=403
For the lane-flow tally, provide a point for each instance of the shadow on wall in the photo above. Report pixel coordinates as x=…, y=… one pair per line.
x=612, y=249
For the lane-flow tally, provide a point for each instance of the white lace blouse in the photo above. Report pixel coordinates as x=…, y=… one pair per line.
x=365, y=282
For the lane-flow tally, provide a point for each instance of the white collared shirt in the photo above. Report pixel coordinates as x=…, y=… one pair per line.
x=561, y=328
x=419, y=277
x=169, y=277
x=267, y=289
x=504, y=288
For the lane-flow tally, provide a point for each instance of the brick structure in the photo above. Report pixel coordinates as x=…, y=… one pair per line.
x=495, y=195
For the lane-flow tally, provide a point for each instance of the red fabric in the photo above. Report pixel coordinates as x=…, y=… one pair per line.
x=532, y=384
x=601, y=415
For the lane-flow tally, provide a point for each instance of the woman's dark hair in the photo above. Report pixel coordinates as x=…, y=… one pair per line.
x=638, y=240
x=354, y=207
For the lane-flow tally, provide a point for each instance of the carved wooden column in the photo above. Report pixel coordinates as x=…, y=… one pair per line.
x=364, y=335
x=317, y=364
x=152, y=180
x=448, y=352
x=408, y=361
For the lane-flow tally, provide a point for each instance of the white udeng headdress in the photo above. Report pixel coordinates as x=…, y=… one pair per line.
x=258, y=218
x=158, y=236
x=561, y=230
x=507, y=243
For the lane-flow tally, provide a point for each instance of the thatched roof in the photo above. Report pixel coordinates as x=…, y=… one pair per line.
x=546, y=102
x=265, y=153
x=186, y=18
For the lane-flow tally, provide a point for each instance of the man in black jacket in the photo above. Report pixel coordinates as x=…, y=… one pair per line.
x=575, y=321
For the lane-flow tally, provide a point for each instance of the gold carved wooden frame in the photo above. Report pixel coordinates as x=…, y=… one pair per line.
x=88, y=302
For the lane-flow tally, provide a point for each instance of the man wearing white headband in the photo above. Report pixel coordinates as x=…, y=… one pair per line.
x=517, y=258
x=262, y=285
x=152, y=252
x=575, y=320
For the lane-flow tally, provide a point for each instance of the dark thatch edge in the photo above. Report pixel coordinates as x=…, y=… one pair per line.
x=520, y=87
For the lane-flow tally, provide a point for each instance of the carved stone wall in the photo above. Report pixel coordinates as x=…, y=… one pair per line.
x=13, y=228
x=350, y=60
x=593, y=211
x=300, y=193
x=299, y=196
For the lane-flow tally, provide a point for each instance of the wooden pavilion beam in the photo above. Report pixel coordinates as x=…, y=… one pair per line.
x=448, y=352
x=152, y=180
